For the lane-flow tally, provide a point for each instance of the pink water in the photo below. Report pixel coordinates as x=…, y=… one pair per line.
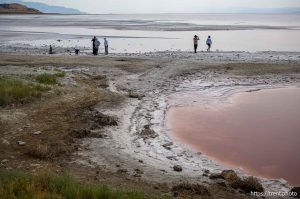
x=257, y=131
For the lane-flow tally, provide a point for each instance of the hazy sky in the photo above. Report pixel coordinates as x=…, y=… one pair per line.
x=167, y=6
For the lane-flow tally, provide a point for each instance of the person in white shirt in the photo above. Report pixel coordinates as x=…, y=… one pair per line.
x=208, y=43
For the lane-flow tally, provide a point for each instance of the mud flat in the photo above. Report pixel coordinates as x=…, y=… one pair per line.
x=112, y=111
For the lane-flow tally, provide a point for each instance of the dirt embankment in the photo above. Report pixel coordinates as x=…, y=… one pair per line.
x=48, y=133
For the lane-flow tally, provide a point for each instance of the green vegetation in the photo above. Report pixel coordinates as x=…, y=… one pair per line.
x=50, y=79
x=17, y=91
x=16, y=184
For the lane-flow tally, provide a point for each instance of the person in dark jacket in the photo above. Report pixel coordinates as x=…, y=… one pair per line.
x=195, y=39
x=94, y=45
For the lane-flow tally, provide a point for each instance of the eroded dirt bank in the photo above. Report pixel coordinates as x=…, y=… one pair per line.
x=105, y=119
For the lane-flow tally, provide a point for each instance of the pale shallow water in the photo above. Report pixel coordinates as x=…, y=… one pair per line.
x=157, y=32
x=256, y=131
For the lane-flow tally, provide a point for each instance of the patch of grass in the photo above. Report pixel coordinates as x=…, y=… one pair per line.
x=16, y=184
x=46, y=79
x=17, y=91
x=50, y=79
x=60, y=73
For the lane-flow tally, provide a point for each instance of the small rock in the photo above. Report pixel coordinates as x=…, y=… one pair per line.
x=4, y=141
x=177, y=168
x=4, y=161
x=122, y=170
x=138, y=171
x=229, y=175
x=137, y=175
x=221, y=183
x=167, y=145
x=37, y=133
x=21, y=143
x=215, y=176
x=205, y=173
x=141, y=161
x=135, y=95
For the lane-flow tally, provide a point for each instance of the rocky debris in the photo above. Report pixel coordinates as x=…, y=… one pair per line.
x=5, y=142
x=148, y=133
x=193, y=189
x=215, y=176
x=297, y=191
x=138, y=173
x=103, y=120
x=84, y=133
x=135, y=95
x=21, y=143
x=4, y=161
x=177, y=168
x=247, y=185
x=122, y=170
x=37, y=133
x=206, y=173
x=94, y=119
x=171, y=158
x=229, y=175
x=167, y=145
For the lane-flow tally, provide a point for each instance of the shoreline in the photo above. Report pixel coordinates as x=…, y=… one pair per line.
x=146, y=83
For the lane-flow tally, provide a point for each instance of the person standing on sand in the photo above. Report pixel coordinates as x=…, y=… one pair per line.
x=106, y=46
x=208, y=43
x=97, y=44
x=50, y=50
x=195, y=39
x=94, y=45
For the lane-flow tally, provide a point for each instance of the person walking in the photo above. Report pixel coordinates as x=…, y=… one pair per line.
x=106, y=46
x=195, y=39
x=208, y=43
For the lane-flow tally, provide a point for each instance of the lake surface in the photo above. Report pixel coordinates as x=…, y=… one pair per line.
x=156, y=32
x=256, y=131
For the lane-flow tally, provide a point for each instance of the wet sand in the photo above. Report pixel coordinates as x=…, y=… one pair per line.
x=256, y=131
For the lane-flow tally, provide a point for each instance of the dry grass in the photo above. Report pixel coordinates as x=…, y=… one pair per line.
x=191, y=189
